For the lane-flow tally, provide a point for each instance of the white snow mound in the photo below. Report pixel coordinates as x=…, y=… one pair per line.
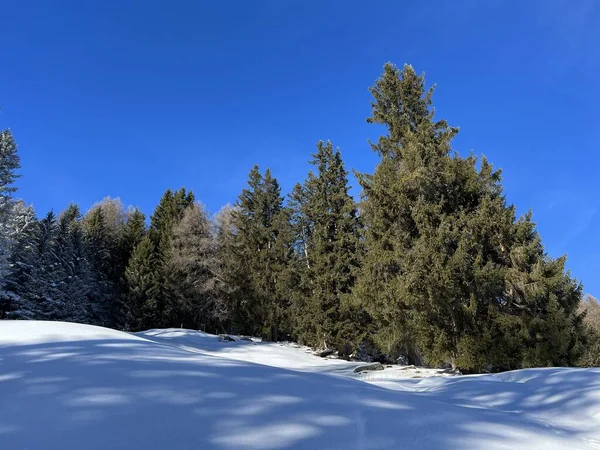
x=70, y=386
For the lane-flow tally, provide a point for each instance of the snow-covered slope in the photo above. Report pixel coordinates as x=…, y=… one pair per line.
x=67, y=386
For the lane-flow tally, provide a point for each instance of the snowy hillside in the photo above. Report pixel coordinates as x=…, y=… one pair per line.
x=69, y=386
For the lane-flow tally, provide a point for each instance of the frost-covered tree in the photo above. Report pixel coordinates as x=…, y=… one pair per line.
x=16, y=238
x=16, y=219
x=9, y=164
x=34, y=282
x=191, y=273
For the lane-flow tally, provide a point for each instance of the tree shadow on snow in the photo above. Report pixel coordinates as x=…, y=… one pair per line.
x=113, y=393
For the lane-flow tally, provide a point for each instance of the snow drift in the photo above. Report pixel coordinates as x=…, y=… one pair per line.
x=69, y=386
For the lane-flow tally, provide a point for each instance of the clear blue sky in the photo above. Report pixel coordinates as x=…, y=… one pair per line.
x=125, y=99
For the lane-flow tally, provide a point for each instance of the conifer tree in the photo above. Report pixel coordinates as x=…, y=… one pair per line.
x=146, y=274
x=449, y=274
x=134, y=231
x=17, y=234
x=35, y=279
x=73, y=274
x=327, y=223
x=9, y=164
x=228, y=266
x=167, y=215
x=9, y=229
x=102, y=254
x=257, y=258
x=144, y=288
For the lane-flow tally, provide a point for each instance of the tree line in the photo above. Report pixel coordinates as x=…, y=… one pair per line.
x=432, y=265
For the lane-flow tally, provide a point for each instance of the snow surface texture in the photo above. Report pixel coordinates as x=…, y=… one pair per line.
x=70, y=386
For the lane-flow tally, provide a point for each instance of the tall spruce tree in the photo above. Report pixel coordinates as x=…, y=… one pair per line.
x=449, y=274
x=144, y=286
x=17, y=235
x=17, y=221
x=9, y=164
x=35, y=280
x=101, y=251
x=149, y=294
x=256, y=258
x=326, y=222
x=75, y=280
x=133, y=233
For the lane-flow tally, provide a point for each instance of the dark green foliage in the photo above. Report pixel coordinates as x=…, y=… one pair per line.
x=437, y=268
x=327, y=230
x=144, y=286
x=256, y=254
x=101, y=248
x=150, y=296
x=73, y=273
x=35, y=280
x=449, y=275
x=170, y=211
x=134, y=231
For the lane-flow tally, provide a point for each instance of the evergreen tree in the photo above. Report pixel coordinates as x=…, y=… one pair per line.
x=228, y=266
x=133, y=233
x=73, y=276
x=16, y=239
x=144, y=286
x=9, y=229
x=105, y=226
x=327, y=223
x=167, y=215
x=102, y=254
x=257, y=257
x=35, y=280
x=9, y=164
x=449, y=275
x=146, y=274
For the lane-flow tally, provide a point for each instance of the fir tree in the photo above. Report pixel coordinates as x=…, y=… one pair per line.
x=449, y=275
x=9, y=227
x=256, y=258
x=74, y=278
x=133, y=233
x=37, y=274
x=102, y=254
x=9, y=164
x=144, y=287
x=17, y=234
x=326, y=219
x=148, y=297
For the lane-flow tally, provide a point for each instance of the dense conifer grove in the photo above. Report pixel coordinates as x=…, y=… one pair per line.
x=432, y=266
